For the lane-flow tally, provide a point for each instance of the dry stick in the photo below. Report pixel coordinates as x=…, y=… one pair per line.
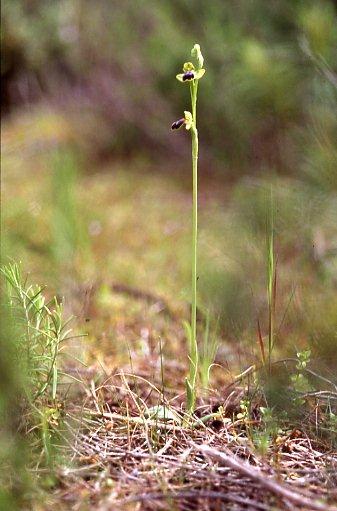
x=248, y=470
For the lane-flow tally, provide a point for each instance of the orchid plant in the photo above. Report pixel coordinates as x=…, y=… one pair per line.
x=191, y=75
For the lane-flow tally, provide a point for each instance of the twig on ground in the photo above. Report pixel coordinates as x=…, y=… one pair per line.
x=248, y=470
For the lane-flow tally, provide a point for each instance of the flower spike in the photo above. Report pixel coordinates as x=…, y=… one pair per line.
x=191, y=74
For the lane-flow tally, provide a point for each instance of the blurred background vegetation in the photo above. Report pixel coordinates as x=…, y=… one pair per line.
x=111, y=64
x=97, y=189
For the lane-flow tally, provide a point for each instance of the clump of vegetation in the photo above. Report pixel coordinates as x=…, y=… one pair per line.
x=41, y=337
x=36, y=338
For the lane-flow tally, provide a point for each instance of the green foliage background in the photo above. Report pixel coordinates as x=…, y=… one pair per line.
x=111, y=63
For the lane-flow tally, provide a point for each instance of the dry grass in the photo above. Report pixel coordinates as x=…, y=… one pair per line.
x=123, y=459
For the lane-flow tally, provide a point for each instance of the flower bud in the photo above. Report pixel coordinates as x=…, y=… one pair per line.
x=196, y=53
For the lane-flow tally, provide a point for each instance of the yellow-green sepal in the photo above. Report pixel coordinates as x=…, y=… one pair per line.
x=188, y=120
x=180, y=77
x=199, y=74
x=188, y=66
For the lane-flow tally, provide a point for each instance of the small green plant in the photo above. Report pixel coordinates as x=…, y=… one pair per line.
x=191, y=75
x=265, y=437
x=331, y=426
x=299, y=380
x=245, y=416
x=207, y=352
x=41, y=333
x=35, y=337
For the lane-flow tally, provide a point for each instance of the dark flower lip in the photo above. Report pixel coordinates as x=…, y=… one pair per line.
x=178, y=124
x=189, y=75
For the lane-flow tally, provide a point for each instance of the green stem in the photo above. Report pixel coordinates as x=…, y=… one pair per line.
x=194, y=346
x=271, y=282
